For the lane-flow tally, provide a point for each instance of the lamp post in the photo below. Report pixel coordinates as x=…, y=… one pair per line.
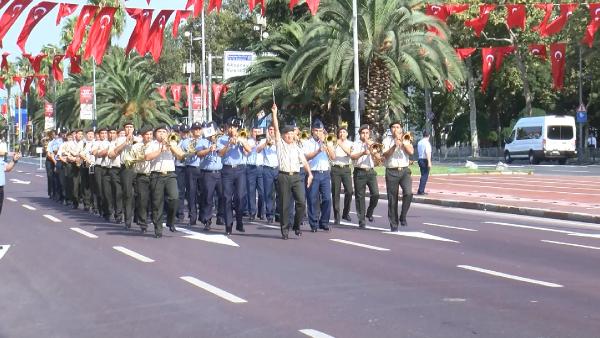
x=356, y=69
x=190, y=68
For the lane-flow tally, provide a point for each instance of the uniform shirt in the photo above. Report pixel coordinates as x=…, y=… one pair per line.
x=289, y=156
x=87, y=148
x=252, y=156
x=100, y=145
x=212, y=161
x=115, y=162
x=234, y=155
x=424, y=148
x=3, y=148
x=365, y=161
x=269, y=155
x=398, y=159
x=165, y=162
x=63, y=149
x=56, y=146
x=178, y=162
x=191, y=160
x=141, y=167
x=319, y=162
x=2, y=174
x=77, y=148
x=341, y=157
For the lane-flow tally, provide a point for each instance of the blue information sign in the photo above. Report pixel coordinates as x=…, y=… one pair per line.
x=581, y=117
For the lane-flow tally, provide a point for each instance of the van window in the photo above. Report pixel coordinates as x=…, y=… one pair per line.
x=560, y=132
x=528, y=133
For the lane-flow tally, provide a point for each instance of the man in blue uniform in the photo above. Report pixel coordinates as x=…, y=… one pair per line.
x=192, y=170
x=268, y=149
x=210, y=179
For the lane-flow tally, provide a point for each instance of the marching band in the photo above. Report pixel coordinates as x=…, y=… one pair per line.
x=161, y=174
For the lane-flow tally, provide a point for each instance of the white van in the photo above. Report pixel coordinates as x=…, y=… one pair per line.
x=542, y=138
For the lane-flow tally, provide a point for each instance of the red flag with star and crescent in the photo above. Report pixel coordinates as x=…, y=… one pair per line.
x=515, y=16
x=538, y=50
x=162, y=90
x=75, y=64
x=593, y=25
x=198, y=5
x=36, y=14
x=442, y=12
x=10, y=15
x=35, y=61
x=487, y=58
x=139, y=36
x=84, y=19
x=214, y=4
x=4, y=64
x=180, y=18
x=156, y=35
x=41, y=84
x=27, y=85
x=566, y=10
x=57, y=71
x=176, y=94
x=100, y=34
x=557, y=57
x=479, y=23
x=218, y=89
x=65, y=10
x=464, y=53
x=547, y=8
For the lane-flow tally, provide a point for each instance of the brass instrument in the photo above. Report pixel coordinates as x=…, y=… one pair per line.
x=331, y=138
x=173, y=138
x=243, y=134
x=135, y=155
x=408, y=137
x=191, y=148
x=376, y=150
x=305, y=135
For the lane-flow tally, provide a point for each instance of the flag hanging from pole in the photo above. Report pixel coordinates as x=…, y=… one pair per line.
x=36, y=14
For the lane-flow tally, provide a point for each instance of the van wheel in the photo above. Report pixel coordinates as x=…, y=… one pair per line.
x=562, y=161
x=532, y=158
x=507, y=157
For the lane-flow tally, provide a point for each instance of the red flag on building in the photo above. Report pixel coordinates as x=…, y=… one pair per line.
x=538, y=50
x=515, y=16
x=57, y=71
x=593, y=25
x=218, y=89
x=566, y=10
x=180, y=18
x=139, y=36
x=36, y=61
x=155, y=37
x=35, y=15
x=487, y=59
x=214, y=4
x=478, y=23
x=28, y=82
x=4, y=64
x=84, y=19
x=12, y=13
x=464, y=53
x=41, y=84
x=557, y=56
x=313, y=6
x=100, y=34
x=176, y=94
x=162, y=90
x=75, y=64
x=65, y=10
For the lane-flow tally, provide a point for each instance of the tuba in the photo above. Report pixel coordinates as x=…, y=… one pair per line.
x=191, y=148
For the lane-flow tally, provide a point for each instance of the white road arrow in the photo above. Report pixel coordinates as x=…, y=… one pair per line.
x=3, y=249
x=16, y=181
x=212, y=238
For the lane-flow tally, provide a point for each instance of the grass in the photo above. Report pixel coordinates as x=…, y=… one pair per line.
x=449, y=170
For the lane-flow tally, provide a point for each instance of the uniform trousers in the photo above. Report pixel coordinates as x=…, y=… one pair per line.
x=62, y=179
x=99, y=172
x=113, y=195
x=270, y=176
x=364, y=178
x=424, y=168
x=164, y=191
x=86, y=187
x=254, y=183
x=341, y=175
x=395, y=178
x=73, y=180
x=211, y=186
x=142, y=185
x=234, y=192
x=50, y=181
x=180, y=173
x=290, y=184
x=319, y=189
x=1, y=197
x=192, y=182
x=127, y=176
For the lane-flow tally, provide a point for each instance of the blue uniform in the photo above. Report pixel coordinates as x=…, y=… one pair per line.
x=320, y=189
x=234, y=183
x=192, y=179
x=210, y=182
x=181, y=186
x=270, y=173
x=58, y=188
x=254, y=181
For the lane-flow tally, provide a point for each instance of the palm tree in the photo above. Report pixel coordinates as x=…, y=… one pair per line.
x=395, y=49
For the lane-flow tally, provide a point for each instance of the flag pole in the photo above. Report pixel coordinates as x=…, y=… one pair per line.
x=94, y=91
x=204, y=87
x=356, y=69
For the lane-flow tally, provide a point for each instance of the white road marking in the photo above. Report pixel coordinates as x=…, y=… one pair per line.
x=3, y=249
x=422, y=235
x=315, y=334
x=366, y=227
x=133, y=254
x=208, y=237
x=449, y=227
x=531, y=227
x=28, y=207
x=585, y=235
x=214, y=290
x=572, y=244
x=52, y=218
x=11, y=199
x=570, y=171
x=375, y=216
x=366, y=246
x=16, y=181
x=266, y=225
x=504, y=275
x=27, y=173
x=20, y=171
x=85, y=233
x=40, y=176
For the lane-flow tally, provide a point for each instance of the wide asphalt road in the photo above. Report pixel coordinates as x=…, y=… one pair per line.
x=451, y=273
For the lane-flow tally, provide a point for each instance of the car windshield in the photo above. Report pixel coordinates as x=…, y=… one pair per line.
x=560, y=132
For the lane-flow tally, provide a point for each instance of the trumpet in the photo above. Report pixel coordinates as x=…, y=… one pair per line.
x=408, y=137
x=330, y=138
x=305, y=135
x=376, y=150
x=173, y=137
x=191, y=148
x=243, y=133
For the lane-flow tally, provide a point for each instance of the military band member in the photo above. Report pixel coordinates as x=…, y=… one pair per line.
x=396, y=152
x=99, y=151
x=210, y=166
x=254, y=177
x=87, y=160
x=192, y=171
x=142, y=169
x=50, y=163
x=163, y=181
x=364, y=175
x=183, y=130
x=114, y=194
x=289, y=182
x=54, y=148
x=74, y=159
x=63, y=168
x=121, y=150
x=341, y=174
x=268, y=149
x=318, y=153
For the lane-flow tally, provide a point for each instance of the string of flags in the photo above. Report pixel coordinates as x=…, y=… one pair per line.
x=218, y=90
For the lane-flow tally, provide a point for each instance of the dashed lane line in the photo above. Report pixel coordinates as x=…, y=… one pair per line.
x=52, y=218
x=40, y=176
x=531, y=227
x=133, y=254
x=422, y=235
x=85, y=233
x=375, y=216
x=214, y=290
x=28, y=207
x=572, y=244
x=11, y=199
x=585, y=235
x=366, y=227
x=505, y=275
x=366, y=246
x=315, y=334
x=449, y=227
x=3, y=250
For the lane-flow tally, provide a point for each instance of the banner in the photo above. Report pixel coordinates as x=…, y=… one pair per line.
x=197, y=108
x=236, y=63
x=48, y=115
x=86, y=103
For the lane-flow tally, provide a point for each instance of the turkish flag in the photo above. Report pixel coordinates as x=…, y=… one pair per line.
x=198, y=6
x=41, y=84
x=11, y=15
x=487, y=59
x=313, y=6
x=204, y=93
x=253, y=3
x=214, y=4
x=593, y=25
x=176, y=94
x=18, y=80
x=36, y=61
x=188, y=92
x=547, y=8
x=139, y=36
x=293, y=4
x=28, y=82
x=566, y=10
x=2, y=86
x=35, y=15
x=478, y=23
x=100, y=34
x=75, y=64
x=3, y=3
x=464, y=53
x=4, y=64
x=57, y=72
x=442, y=12
x=515, y=16
x=538, y=50
x=218, y=90
x=162, y=90
x=500, y=53
x=65, y=10
x=557, y=56
x=155, y=37
x=84, y=19
x=181, y=17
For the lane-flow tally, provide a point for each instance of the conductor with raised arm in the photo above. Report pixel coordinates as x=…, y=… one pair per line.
x=289, y=182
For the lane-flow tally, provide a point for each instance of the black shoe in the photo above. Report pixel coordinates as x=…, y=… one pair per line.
x=220, y=222
x=240, y=228
x=325, y=228
x=362, y=226
x=298, y=232
x=285, y=237
x=269, y=220
x=403, y=223
x=394, y=229
x=157, y=235
x=192, y=223
x=347, y=218
x=228, y=231
x=370, y=218
x=86, y=209
x=118, y=220
x=313, y=229
x=172, y=228
x=207, y=227
x=251, y=218
x=127, y=226
x=337, y=222
x=421, y=193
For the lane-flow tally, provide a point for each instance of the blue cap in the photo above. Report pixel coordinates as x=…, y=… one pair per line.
x=318, y=124
x=183, y=128
x=196, y=125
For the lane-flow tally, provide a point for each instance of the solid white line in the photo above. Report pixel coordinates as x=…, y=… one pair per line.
x=214, y=290
x=366, y=227
x=28, y=207
x=531, y=227
x=504, y=275
x=133, y=254
x=52, y=218
x=11, y=199
x=40, y=176
x=366, y=246
x=85, y=233
x=315, y=334
x=449, y=227
x=375, y=216
x=572, y=244
x=586, y=235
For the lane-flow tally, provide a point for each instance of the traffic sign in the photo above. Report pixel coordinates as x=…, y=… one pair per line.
x=581, y=116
